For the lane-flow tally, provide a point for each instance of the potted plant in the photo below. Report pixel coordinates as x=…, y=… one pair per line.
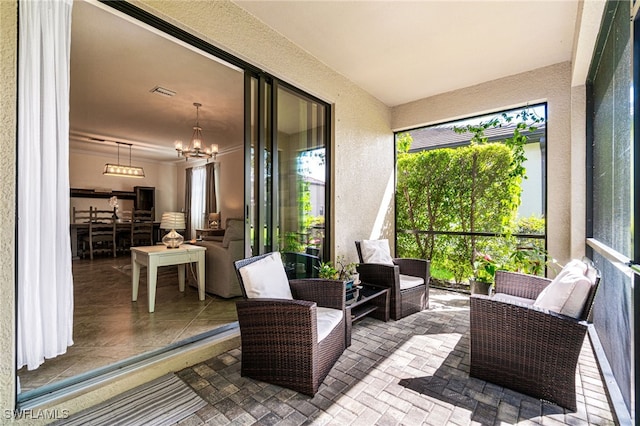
x=484, y=272
x=346, y=271
x=327, y=271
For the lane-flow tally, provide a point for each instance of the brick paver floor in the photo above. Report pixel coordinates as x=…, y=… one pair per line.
x=409, y=372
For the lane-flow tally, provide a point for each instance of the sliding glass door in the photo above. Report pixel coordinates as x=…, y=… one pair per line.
x=287, y=169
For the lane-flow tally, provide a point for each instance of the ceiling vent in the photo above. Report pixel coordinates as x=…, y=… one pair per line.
x=162, y=91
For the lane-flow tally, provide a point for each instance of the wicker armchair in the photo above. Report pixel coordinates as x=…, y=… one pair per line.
x=403, y=301
x=527, y=348
x=280, y=337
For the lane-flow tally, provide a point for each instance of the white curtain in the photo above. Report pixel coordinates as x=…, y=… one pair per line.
x=198, y=197
x=45, y=282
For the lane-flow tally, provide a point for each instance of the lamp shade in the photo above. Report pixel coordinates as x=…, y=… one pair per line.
x=173, y=220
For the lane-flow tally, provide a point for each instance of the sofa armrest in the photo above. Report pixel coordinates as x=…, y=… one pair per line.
x=220, y=273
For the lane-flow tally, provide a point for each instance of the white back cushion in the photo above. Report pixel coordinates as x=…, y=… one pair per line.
x=376, y=251
x=575, y=265
x=266, y=279
x=568, y=292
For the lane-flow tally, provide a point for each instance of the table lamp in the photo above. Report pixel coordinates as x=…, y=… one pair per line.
x=172, y=221
x=214, y=220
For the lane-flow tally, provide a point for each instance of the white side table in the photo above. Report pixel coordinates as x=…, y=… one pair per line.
x=154, y=256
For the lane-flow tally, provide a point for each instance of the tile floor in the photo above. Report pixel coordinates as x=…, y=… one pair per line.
x=409, y=372
x=109, y=327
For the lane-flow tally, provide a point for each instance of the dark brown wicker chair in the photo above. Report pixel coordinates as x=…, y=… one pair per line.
x=280, y=337
x=525, y=348
x=402, y=302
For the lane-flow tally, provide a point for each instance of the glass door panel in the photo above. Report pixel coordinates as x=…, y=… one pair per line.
x=259, y=164
x=286, y=170
x=301, y=148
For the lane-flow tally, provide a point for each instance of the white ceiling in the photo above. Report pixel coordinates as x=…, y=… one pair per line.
x=401, y=51
x=115, y=64
x=398, y=51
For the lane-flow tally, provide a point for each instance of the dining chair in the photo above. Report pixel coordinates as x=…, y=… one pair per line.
x=141, y=228
x=102, y=232
x=82, y=216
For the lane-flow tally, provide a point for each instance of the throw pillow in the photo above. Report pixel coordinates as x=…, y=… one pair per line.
x=376, y=251
x=266, y=278
x=568, y=292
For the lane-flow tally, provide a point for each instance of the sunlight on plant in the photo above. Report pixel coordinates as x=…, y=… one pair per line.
x=476, y=189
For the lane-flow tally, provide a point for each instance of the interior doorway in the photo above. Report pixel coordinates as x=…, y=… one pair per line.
x=133, y=84
x=119, y=93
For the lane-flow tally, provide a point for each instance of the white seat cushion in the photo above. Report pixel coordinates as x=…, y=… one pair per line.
x=266, y=278
x=327, y=319
x=376, y=251
x=409, y=281
x=568, y=292
x=507, y=298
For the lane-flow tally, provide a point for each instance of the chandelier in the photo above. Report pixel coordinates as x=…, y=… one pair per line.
x=122, y=170
x=195, y=148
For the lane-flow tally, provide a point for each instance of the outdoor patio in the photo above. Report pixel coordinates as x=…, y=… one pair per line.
x=413, y=371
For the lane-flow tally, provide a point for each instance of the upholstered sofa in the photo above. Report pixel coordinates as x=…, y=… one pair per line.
x=220, y=274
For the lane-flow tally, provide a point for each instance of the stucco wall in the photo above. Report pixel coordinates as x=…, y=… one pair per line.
x=550, y=84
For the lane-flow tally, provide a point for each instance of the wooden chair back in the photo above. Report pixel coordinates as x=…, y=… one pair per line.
x=102, y=231
x=81, y=216
x=142, y=227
